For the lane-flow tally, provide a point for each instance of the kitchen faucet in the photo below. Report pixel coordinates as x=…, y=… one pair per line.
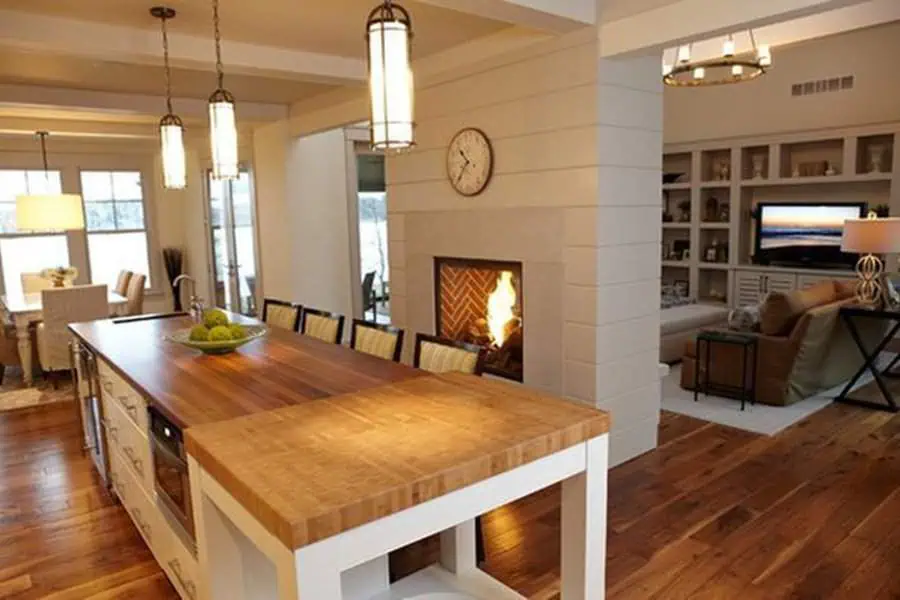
x=196, y=302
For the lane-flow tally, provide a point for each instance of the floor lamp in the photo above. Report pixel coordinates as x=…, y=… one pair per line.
x=871, y=237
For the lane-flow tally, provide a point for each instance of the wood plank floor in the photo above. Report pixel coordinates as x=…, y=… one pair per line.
x=713, y=513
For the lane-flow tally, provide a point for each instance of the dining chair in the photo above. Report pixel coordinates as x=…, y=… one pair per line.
x=383, y=341
x=369, y=301
x=134, y=295
x=33, y=283
x=442, y=355
x=322, y=325
x=281, y=313
x=61, y=306
x=122, y=282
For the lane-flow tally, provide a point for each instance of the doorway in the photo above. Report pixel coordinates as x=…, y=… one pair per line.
x=232, y=235
x=371, y=199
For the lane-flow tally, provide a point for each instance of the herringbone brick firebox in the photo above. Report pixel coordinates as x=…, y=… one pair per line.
x=480, y=301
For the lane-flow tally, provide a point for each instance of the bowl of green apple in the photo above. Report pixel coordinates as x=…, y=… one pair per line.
x=217, y=335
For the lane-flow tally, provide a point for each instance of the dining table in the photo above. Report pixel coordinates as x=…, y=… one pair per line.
x=23, y=310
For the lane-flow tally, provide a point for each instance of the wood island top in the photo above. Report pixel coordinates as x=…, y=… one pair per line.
x=310, y=471
x=282, y=369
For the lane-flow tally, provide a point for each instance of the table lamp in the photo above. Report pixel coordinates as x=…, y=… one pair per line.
x=870, y=237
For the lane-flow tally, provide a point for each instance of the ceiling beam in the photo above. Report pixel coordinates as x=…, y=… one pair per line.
x=100, y=41
x=27, y=96
x=689, y=20
x=556, y=16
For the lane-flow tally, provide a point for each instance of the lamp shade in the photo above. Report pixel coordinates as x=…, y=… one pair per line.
x=871, y=236
x=389, y=31
x=50, y=212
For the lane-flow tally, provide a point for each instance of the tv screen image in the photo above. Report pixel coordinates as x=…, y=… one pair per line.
x=794, y=225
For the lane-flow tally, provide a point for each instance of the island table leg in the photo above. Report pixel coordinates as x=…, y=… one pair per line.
x=458, y=547
x=583, y=545
x=23, y=339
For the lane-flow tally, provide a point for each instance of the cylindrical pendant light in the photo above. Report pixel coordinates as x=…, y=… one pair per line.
x=171, y=129
x=388, y=37
x=222, y=123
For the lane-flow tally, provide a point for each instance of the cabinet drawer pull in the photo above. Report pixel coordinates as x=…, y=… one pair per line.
x=107, y=384
x=188, y=586
x=143, y=525
x=130, y=407
x=112, y=431
x=137, y=463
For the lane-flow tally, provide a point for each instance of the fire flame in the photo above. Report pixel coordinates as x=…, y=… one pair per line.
x=500, y=307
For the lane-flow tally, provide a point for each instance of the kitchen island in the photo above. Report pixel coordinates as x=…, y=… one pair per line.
x=308, y=463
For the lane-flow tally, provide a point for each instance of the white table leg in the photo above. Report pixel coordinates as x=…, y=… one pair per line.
x=23, y=336
x=458, y=547
x=584, y=527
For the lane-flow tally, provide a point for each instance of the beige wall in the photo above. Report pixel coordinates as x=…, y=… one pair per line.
x=766, y=105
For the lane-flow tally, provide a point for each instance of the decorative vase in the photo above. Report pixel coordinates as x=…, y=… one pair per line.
x=724, y=170
x=876, y=156
x=759, y=164
x=830, y=170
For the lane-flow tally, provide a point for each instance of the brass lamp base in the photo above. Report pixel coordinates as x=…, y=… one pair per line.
x=869, y=288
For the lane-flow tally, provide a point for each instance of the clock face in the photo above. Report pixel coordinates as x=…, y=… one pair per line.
x=470, y=162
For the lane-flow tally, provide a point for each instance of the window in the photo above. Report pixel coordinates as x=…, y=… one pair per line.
x=24, y=252
x=116, y=227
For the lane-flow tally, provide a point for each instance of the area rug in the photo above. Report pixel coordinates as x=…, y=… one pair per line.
x=758, y=418
x=13, y=396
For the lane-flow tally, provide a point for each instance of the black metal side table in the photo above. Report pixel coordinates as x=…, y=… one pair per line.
x=747, y=343
x=849, y=316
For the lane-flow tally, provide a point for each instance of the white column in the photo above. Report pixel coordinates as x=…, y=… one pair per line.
x=612, y=261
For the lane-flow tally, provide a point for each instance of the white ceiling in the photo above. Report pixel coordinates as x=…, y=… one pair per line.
x=327, y=26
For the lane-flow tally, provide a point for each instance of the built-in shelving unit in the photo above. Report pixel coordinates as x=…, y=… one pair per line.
x=714, y=186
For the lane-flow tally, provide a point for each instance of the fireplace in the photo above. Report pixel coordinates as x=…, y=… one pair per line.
x=480, y=302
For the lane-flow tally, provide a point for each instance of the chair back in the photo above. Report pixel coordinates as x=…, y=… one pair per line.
x=440, y=355
x=135, y=294
x=280, y=313
x=122, y=282
x=368, y=295
x=33, y=283
x=61, y=306
x=322, y=325
x=382, y=341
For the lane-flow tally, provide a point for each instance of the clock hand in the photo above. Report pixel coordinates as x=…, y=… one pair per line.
x=461, y=171
x=463, y=154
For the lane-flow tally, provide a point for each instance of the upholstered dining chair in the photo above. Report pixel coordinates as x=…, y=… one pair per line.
x=61, y=306
x=322, y=325
x=122, y=282
x=134, y=295
x=280, y=313
x=33, y=283
x=441, y=355
x=383, y=341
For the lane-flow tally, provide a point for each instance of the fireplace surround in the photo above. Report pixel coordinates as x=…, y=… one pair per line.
x=481, y=302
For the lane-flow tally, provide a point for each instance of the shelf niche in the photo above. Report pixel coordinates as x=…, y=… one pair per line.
x=755, y=158
x=874, y=154
x=812, y=159
x=716, y=165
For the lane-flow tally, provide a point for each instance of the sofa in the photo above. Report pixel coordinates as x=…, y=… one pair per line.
x=680, y=324
x=804, y=347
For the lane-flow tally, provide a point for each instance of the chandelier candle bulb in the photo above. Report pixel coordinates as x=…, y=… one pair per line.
x=728, y=47
x=737, y=70
x=684, y=54
x=388, y=35
x=699, y=73
x=764, y=55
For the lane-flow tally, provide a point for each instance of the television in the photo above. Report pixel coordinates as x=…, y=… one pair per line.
x=804, y=234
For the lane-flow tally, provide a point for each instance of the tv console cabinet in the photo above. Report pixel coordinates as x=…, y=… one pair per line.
x=713, y=186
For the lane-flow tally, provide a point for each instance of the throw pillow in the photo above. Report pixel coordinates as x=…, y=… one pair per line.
x=780, y=312
x=744, y=318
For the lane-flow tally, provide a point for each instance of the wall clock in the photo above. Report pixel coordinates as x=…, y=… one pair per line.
x=470, y=161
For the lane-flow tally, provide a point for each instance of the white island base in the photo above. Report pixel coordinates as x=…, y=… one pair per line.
x=240, y=560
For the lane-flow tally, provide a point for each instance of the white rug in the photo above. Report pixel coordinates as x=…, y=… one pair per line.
x=758, y=418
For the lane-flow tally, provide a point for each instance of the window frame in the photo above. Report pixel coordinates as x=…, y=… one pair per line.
x=151, y=284
x=21, y=234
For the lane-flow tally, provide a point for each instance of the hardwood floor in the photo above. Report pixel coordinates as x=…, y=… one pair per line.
x=713, y=513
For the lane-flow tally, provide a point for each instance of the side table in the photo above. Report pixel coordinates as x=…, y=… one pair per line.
x=747, y=343
x=891, y=318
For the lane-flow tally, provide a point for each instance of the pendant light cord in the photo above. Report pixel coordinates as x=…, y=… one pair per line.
x=165, y=41
x=220, y=70
x=43, y=136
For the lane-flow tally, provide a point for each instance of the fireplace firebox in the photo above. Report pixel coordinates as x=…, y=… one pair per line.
x=480, y=302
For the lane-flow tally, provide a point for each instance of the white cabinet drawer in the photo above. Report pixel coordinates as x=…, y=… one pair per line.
x=133, y=403
x=141, y=507
x=181, y=567
x=132, y=445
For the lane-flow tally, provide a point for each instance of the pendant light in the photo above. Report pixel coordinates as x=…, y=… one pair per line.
x=48, y=212
x=222, y=125
x=171, y=129
x=388, y=35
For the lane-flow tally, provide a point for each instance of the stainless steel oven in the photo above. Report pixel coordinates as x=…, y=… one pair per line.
x=87, y=397
x=170, y=474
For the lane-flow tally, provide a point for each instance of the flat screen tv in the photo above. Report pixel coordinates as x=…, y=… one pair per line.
x=807, y=234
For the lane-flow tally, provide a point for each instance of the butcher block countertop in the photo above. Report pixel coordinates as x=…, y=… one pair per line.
x=313, y=470
x=282, y=369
